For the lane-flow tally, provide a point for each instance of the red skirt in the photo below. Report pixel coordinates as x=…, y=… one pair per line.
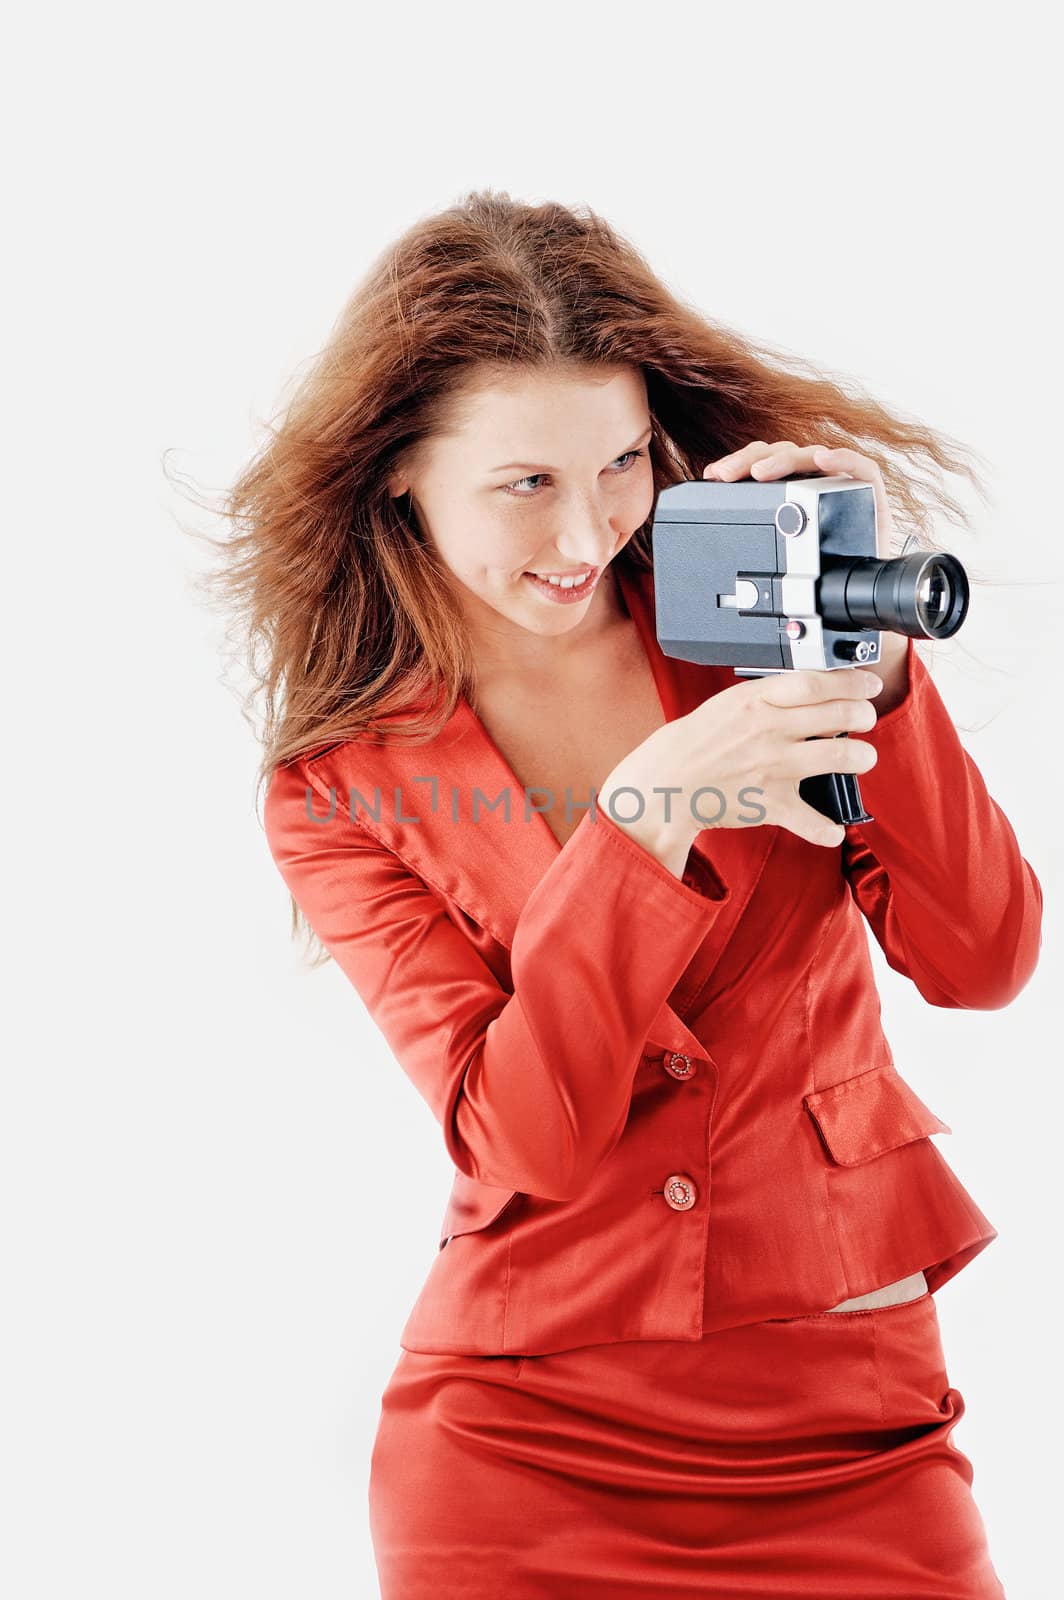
x=802, y=1456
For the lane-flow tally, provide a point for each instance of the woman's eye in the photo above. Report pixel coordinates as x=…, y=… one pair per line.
x=513, y=487
x=629, y=456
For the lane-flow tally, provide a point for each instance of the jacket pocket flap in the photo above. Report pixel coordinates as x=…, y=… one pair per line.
x=866, y=1115
x=472, y=1206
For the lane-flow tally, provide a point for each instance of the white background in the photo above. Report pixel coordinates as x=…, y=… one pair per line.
x=220, y=1195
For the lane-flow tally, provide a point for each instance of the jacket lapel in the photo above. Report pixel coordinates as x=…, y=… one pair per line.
x=462, y=842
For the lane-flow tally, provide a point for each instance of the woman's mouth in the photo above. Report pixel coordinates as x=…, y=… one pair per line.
x=567, y=589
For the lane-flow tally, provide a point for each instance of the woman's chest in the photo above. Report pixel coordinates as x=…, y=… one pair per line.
x=562, y=744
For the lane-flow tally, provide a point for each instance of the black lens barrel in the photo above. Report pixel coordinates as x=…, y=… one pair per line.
x=924, y=595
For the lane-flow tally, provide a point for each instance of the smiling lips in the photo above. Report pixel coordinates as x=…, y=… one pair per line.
x=565, y=588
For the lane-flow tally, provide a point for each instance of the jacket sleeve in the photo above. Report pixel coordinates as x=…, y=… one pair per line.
x=532, y=1087
x=938, y=874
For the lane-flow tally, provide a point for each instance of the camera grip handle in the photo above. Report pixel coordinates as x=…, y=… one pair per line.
x=835, y=794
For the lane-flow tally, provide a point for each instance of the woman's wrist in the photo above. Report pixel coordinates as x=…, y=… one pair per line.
x=668, y=842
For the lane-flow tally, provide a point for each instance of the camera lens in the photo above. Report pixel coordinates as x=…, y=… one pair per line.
x=922, y=595
x=933, y=599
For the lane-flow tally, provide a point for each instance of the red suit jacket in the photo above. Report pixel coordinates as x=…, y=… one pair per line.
x=670, y=1103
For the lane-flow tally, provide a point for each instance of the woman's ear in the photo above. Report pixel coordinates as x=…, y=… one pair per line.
x=397, y=486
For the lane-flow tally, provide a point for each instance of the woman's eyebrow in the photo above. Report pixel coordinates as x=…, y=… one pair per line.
x=534, y=466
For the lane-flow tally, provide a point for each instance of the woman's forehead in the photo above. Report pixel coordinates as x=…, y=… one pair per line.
x=533, y=410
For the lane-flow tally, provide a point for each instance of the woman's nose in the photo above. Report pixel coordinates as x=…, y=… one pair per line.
x=586, y=538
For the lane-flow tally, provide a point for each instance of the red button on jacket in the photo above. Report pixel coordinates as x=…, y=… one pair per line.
x=680, y=1192
x=533, y=991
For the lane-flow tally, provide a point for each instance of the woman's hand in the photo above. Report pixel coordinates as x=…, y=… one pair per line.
x=764, y=462
x=747, y=748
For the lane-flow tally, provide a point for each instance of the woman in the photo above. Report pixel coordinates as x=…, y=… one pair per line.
x=679, y=1338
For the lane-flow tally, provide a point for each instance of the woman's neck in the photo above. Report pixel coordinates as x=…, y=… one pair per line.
x=503, y=650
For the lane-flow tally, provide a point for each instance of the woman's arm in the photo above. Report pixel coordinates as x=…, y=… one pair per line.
x=938, y=873
x=531, y=1089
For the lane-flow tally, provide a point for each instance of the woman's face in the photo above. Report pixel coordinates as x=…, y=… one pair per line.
x=545, y=474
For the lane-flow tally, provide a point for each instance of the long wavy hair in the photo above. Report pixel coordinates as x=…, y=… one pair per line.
x=341, y=609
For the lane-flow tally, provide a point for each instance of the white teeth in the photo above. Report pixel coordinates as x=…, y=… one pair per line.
x=565, y=583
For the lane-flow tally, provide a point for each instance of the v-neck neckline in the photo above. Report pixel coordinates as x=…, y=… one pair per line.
x=634, y=596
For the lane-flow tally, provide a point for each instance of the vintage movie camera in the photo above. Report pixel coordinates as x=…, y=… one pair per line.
x=783, y=576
